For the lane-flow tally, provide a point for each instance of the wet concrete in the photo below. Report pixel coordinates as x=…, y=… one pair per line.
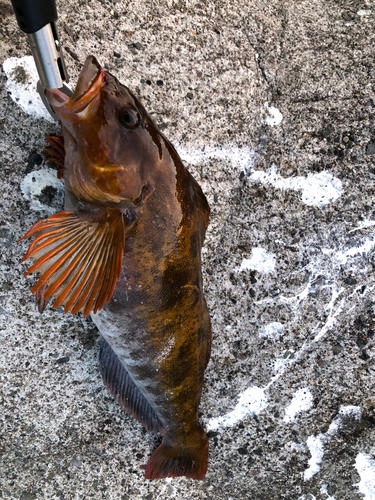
x=271, y=104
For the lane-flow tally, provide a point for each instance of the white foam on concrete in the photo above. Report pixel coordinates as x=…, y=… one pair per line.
x=333, y=313
x=324, y=491
x=316, y=443
x=271, y=115
x=364, y=225
x=272, y=331
x=293, y=299
x=260, y=260
x=251, y=402
x=366, y=247
x=302, y=401
x=318, y=190
x=364, y=13
x=326, y=263
x=24, y=93
x=33, y=184
x=350, y=411
x=241, y=156
x=365, y=466
x=316, y=447
x=281, y=364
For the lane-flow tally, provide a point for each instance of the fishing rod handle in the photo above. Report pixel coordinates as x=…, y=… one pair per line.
x=32, y=15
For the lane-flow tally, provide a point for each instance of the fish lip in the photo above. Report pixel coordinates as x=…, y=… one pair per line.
x=91, y=80
x=79, y=105
x=90, y=71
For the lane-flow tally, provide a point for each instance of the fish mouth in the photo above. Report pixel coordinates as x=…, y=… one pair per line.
x=91, y=80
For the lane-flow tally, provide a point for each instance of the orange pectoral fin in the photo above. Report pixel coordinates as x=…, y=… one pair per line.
x=79, y=255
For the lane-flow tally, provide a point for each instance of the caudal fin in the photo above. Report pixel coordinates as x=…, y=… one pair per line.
x=174, y=460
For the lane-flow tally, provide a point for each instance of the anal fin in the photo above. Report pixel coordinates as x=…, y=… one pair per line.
x=122, y=387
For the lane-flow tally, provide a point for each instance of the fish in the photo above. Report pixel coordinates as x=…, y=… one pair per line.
x=127, y=251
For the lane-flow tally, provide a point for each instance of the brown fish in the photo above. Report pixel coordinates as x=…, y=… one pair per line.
x=128, y=250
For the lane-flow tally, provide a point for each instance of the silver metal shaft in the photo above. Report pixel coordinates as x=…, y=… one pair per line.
x=49, y=62
x=48, y=57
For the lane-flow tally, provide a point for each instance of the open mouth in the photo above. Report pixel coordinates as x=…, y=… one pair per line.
x=90, y=81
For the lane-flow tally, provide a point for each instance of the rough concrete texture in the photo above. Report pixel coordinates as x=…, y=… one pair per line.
x=302, y=332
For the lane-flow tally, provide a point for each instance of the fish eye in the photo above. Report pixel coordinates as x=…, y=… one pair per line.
x=129, y=117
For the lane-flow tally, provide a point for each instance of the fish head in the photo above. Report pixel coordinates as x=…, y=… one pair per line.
x=111, y=144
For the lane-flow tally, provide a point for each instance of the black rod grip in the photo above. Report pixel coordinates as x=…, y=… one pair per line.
x=32, y=15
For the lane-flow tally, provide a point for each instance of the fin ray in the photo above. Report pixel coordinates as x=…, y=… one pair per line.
x=122, y=387
x=55, y=153
x=38, y=226
x=89, y=280
x=175, y=460
x=102, y=278
x=36, y=245
x=52, y=253
x=56, y=142
x=79, y=281
x=65, y=274
x=79, y=256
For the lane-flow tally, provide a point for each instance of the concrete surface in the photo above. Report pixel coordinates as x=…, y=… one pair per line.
x=272, y=104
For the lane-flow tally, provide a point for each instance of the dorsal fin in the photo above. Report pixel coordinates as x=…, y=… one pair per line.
x=122, y=387
x=79, y=255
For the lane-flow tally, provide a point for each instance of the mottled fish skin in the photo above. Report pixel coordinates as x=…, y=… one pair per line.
x=157, y=321
x=155, y=329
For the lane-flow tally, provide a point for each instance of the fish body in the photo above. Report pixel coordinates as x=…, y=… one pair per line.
x=128, y=251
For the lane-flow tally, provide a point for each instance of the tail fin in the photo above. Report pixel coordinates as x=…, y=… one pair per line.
x=174, y=460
